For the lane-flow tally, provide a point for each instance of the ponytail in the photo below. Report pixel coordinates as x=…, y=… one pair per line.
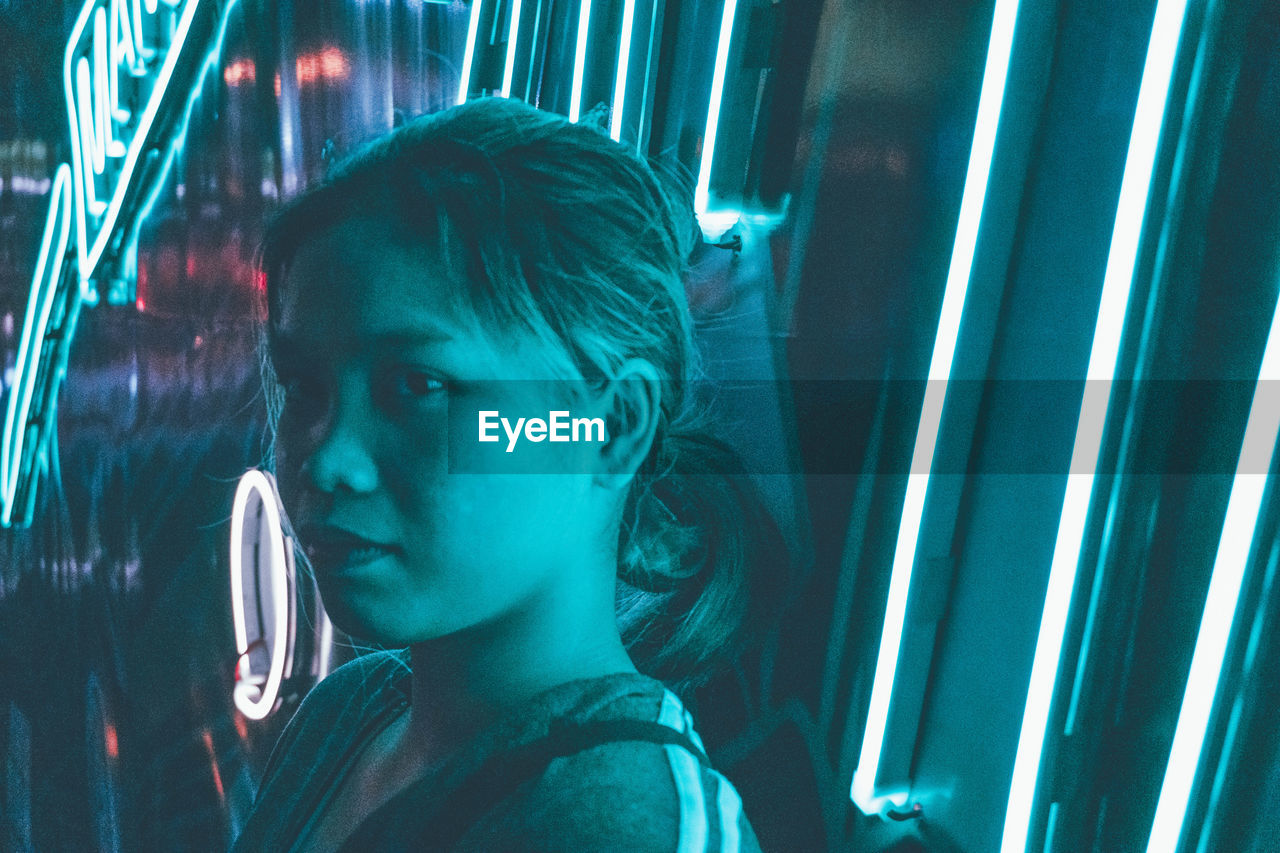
x=695, y=548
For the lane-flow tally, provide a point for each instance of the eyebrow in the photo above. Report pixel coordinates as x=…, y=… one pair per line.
x=283, y=343
x=417, y=334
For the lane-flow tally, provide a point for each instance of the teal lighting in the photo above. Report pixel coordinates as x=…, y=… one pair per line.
x=865, y=793
x=1222, y=600
x=45, y=284
x=1135, y=188
x=579, y=60
x=90, y=83
x=509, y=66
x=469, y=53
x=89, y=194
x=620, y=79
x=211, y=62
x=702, y=190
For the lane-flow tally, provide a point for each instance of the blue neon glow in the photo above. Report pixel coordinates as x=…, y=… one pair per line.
x=44, y=285
x=1221, y=602
x=123, y=53
x=510, y=66
x=94, y=114
x=469, y=53
x=701, y=193
x=579, y=60
x=864, y=791
x=624, y=59
x=1135, y=187
x=211, y=63
x=94, y=117
x=648, y=67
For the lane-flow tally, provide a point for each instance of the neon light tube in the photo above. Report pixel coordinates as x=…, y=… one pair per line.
x=44, y=287
x=864, y=793
x=579, y=60
x=258, y=484
x=468, y=55
x=211, y=63
x=1221, y=602
x=510, y=66
x=325, y=655
x=91, y=137
x=702, y=191
x=624, y=59
x=1135, y=187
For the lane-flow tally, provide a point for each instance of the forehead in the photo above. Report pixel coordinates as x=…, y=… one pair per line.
x=357, y=290
x=356, y=277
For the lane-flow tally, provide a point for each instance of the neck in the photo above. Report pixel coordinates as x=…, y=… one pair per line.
x=465, y=681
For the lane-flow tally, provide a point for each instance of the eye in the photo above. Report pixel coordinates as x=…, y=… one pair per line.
x=413, y=385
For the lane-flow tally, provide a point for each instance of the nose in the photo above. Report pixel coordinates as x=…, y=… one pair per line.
x=341, y=459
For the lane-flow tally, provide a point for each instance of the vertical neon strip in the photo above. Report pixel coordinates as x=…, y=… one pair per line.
x=701, y=194
x=648, y=68
x=1256, y=453
x=1135, y=187
x=624, y=59
x=469, y=53
x=579, y=60
x=35, y=322
x=990, y=101
x=102, y=112
x=325, y=654
x=94, y=144
x=510, y=66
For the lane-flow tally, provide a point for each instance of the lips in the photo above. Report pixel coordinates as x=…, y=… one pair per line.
x=335, y=550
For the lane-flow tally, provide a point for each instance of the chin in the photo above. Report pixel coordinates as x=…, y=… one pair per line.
x=369, y=621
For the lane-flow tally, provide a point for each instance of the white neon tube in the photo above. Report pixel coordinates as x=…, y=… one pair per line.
x=89, y=141
x=211, y=63
x=1135, y=188
x=510, y=66
x=579, y=60
x=44, y=286
x=864, y=793
x=255, y=482
x=469, y=53
x=1221, y=602
x=702, y=190
x=624, y=59
x=325, y=655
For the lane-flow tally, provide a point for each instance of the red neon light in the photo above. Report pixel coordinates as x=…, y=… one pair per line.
x=240, y=71
x=329, y=64
x=111, y=740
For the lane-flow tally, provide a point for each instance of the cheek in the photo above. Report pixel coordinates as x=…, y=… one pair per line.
x=484, y=517
x=536, y=513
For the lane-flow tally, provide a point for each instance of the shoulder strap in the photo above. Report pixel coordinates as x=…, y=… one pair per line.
x=409, y=822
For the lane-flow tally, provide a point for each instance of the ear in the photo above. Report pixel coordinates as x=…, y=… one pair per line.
x=633, y=401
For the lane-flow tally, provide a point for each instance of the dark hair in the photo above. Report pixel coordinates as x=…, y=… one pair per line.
x=573, y=239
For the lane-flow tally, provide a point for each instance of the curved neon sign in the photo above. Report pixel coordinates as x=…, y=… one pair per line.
x=108, y=56
x=266, y=555
x=118, y=66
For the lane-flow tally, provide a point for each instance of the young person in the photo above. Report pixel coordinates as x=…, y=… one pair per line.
x=481, y=265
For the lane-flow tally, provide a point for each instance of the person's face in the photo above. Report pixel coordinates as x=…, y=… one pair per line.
x=383, y=383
